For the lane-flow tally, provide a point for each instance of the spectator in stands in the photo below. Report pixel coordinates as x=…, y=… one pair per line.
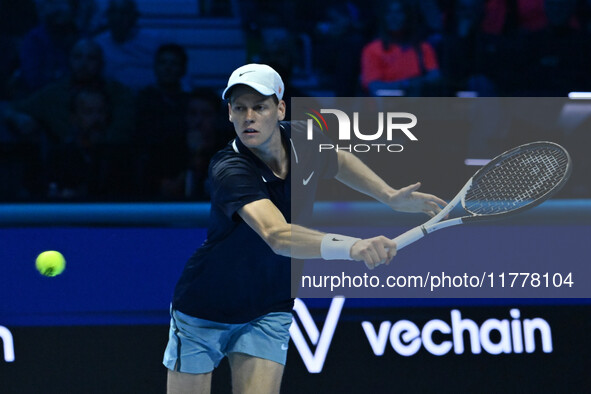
x=88, y=166
x=9, y=64
x=176, y=166
x=160, y=122
x=88, y=17
x=20, y=166
x=519, y=16
x=469, y=56
x=47, y=113
x=129, y=50
x=341, y=28
x=49, y=108
x=554, y=60
x=531, y=15
x=205, y=136
x=431, y=21
x=399, y=59
x=45, y=49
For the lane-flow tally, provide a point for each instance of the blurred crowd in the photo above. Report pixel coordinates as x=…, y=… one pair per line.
x=97, y=111
x=95, y=108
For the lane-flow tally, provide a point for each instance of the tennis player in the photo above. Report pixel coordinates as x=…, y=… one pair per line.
x=233, y=298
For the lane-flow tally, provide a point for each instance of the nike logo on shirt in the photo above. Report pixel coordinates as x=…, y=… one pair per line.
x=305, y=181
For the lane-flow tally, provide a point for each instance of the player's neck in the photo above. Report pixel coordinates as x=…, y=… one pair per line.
x=274, y=154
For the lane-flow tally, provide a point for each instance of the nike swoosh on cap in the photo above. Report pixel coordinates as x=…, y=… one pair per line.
x=245, y=72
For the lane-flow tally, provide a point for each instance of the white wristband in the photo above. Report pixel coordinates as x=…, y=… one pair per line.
x=337, y=247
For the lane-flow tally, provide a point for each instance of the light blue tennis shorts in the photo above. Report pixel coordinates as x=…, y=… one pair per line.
x=197, y=345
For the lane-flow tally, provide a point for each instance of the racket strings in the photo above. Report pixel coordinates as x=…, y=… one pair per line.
x=517, y=180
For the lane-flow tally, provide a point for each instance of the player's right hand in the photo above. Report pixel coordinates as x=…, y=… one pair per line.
x=374, y=251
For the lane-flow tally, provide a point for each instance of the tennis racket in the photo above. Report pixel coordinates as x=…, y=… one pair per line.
x=512, y=182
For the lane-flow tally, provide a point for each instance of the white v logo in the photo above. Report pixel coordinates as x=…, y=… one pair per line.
x=315, y=361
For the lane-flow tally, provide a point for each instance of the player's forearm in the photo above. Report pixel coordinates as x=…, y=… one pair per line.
x=292, y=240
x=358, y=176
x=303, y=243
x=283, y=238
x=295, y=241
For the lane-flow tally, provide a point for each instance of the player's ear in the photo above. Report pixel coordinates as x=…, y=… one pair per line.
x=281, y=107
x=230, y=111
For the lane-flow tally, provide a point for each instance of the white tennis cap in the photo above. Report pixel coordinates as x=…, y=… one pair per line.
x=260, y=77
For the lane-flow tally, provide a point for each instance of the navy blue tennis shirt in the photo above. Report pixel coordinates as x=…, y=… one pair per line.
x=234, y=276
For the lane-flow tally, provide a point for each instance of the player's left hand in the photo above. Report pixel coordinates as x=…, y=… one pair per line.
x=408, y=199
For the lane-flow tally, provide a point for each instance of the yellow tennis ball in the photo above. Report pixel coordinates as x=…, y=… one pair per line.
x=50, y=263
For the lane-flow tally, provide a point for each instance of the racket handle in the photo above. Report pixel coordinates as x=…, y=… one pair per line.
x=409, y=237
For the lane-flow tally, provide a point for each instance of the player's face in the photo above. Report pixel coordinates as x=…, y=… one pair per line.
x=255, y=117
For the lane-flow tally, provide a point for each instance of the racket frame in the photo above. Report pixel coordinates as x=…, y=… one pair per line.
x=435, y=222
